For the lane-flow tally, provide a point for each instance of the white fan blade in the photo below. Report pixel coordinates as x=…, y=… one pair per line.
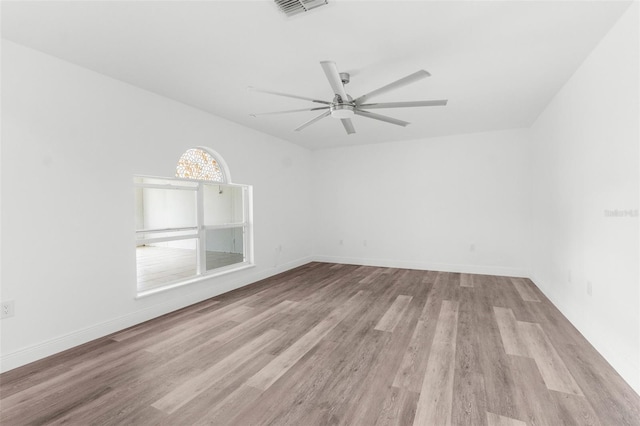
x=381, y=118
x=348, y=125
x=288, y=95
x=313, y=120
x=331, y=71
x=291, y=110
x=404, y=104
x=418, y=75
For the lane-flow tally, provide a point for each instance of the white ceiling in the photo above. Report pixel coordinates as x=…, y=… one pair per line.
x=498, y=63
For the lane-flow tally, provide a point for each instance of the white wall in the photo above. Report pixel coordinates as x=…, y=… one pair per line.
x=72, y=140
x=585, y=161
x=424, y=203
x=166, y=208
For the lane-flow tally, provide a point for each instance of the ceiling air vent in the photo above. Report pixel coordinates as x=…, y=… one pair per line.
x=293, y=7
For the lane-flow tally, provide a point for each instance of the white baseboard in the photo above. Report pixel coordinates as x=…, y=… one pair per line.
x=427, y=266
x=50, y=347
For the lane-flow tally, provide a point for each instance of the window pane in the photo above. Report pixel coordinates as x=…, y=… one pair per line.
x=222, y=204
x=165, y=208
x=224, y=247
x=198, y=164
x=162, y=263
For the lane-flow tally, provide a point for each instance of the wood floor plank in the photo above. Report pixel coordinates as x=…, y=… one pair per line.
x=552, y=368
x=57, y=384
x=21, y=379
x=414, y=362
x=398, y=409
x=508, y=326
x=436, y=395
x=466, y=280
x=230, y=406
x=525, y=290
x=51, y=396
x=498, y=420
x=236, y=332
x=613, y=400
x=197, y=327
x=198, y=408
x=369, y=399
x=381, y=293
x=281, y=364
x=391, y=318
x=500, y=388
x=575, y=410
x=131, y=396
x=148, y=377
x=145, y=416
x=193, y=387
x=522, y=310
x=469, y=404
x=51, y=417
x=371, y=276
x=313, y=309
x=343, y=389
x=166, y=320
x=288, y=401
x=359, y=352
x=458, y=349
x=534, y=402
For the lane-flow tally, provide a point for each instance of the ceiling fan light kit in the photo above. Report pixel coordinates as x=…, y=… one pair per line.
x=344, y=107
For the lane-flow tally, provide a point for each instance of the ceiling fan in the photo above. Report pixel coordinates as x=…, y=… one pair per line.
x=344, y=107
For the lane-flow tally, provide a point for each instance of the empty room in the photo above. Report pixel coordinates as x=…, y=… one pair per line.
x=320, y=212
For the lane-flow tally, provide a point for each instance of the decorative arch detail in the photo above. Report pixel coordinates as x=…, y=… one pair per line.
x=202, y=163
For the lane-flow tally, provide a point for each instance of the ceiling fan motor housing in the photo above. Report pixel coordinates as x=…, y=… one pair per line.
x=342, y=110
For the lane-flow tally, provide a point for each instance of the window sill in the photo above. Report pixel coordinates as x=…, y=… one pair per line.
x=193, y=280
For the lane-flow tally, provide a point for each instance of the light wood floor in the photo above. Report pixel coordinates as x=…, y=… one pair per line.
x=159, y=266
x=335, y=344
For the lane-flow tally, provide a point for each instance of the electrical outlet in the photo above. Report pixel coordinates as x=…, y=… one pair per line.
x=472, y=247
x=364, y=243
x=589, y=288
x=341, y=242
x=8, y=309
x=569, y=277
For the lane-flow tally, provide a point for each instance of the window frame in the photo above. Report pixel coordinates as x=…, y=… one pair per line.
x=197, y=185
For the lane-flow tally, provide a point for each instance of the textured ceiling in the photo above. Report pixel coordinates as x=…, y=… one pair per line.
x=498, y=63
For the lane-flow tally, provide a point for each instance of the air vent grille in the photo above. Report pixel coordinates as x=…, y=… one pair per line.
x=293, y=7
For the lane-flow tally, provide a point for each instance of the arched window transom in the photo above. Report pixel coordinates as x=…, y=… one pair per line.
x=198, y=164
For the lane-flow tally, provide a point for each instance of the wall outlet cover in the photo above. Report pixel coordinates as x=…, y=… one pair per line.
x=7, y=309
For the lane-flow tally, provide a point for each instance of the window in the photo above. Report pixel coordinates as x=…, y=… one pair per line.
x=194, y=226
x=196, y=163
